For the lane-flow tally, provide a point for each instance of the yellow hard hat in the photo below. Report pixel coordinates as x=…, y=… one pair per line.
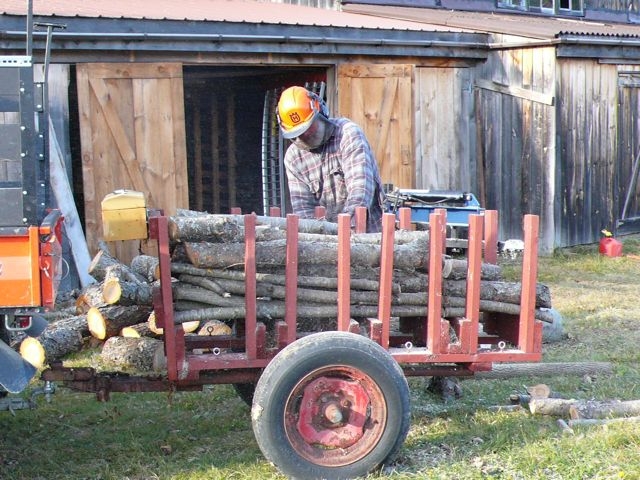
x=297, y=109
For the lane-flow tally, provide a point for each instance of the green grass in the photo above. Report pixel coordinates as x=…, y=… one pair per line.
x=208, y=435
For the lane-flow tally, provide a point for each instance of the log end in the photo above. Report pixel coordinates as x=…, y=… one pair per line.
x=33, y=352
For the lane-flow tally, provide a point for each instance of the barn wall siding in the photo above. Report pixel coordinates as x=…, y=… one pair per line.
x=515, y=98
x=588, y=148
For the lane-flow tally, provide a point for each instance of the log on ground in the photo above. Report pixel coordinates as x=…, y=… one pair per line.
x=510, y=370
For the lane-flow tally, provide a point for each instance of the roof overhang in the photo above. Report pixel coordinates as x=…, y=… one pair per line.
x=115, y=38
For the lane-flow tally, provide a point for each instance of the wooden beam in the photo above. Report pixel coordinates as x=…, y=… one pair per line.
x=513, y=91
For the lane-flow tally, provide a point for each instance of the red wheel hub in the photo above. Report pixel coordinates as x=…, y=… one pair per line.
x=333, y=412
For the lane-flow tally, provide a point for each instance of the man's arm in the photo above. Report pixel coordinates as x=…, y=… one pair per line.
x=302, y=198
x=358, y=167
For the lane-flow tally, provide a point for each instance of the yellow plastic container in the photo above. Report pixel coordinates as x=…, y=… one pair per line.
x=124, y=216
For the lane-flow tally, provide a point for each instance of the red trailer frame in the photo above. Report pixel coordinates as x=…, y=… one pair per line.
x=335, y=404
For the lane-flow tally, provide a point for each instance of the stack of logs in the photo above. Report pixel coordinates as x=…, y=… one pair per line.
x=208, y=287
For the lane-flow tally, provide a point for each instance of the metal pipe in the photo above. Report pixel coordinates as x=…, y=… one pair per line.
x=29, y=32
x=262, y=38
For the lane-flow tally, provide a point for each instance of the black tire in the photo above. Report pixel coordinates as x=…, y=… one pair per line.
x=332, y=405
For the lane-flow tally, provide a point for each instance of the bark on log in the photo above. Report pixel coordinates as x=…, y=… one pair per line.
x=106, y=322
x=59, y=338
x=147, y=266
x=188, y=326
x=454, y=291
x=138, y=330
x=222, y=255
x=90, y=296
x=99, y=264
x=131, y=353
x=223, y=228
x=555, y=407
x=270, y=310
x=593, y=409
x=276, y=279
x=510, y=370
x=584, y=409
x=183, y=291
x=122, y=292
x=124, y=286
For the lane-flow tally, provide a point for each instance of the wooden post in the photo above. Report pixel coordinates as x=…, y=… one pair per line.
x=437, y=227
x=344, y=272
x=491, y=236
x=361, y=220
x=526, y=333
x=386, y=275
x=291, y=278
x=474, y=271
x=404, y=218
x=275, y=212
x=250, y=285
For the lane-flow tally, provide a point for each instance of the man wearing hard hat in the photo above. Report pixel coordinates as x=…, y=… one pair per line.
x=330, y=162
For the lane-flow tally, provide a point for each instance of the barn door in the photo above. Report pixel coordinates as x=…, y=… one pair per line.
x=133, y=137
x=627, y=189
x=379, y=99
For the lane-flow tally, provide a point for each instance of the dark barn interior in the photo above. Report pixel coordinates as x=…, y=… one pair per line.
x=233, y=146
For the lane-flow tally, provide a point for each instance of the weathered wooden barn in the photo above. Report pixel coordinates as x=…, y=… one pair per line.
x=553, y=123
x=534, y=115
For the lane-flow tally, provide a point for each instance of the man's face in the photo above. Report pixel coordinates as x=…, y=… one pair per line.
x=313, y=137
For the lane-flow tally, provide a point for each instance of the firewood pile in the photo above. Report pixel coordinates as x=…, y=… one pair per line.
x=208, y=286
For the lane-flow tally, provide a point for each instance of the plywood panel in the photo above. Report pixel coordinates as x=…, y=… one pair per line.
x=132, y=136
x=379, y=99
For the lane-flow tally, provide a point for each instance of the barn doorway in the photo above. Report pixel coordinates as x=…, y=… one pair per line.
x=232, y=138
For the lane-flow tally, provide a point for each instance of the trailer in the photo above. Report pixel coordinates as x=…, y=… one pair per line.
x=332, y=404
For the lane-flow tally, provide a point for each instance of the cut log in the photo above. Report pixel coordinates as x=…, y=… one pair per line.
x=33, y=352
x=222, y=255
x=185, y=291
x=214, y=328
x=106, y=322
x=121, y=292
x=276, y=279
x=510, y=370
x=555, y=407
x=90, y=296
x=592, y=409
x=146, y=266
x=584, y=409
x=59, y=339
x=225, y=228
x=188, y=326
x=99, y=264
x=131, y=353
x=137, y=331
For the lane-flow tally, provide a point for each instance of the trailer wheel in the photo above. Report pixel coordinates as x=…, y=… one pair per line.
x=331, y=405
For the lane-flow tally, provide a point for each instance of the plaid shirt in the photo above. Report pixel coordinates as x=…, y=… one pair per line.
x=340, y=176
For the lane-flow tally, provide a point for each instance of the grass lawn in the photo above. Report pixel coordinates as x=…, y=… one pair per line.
x=208, y=435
